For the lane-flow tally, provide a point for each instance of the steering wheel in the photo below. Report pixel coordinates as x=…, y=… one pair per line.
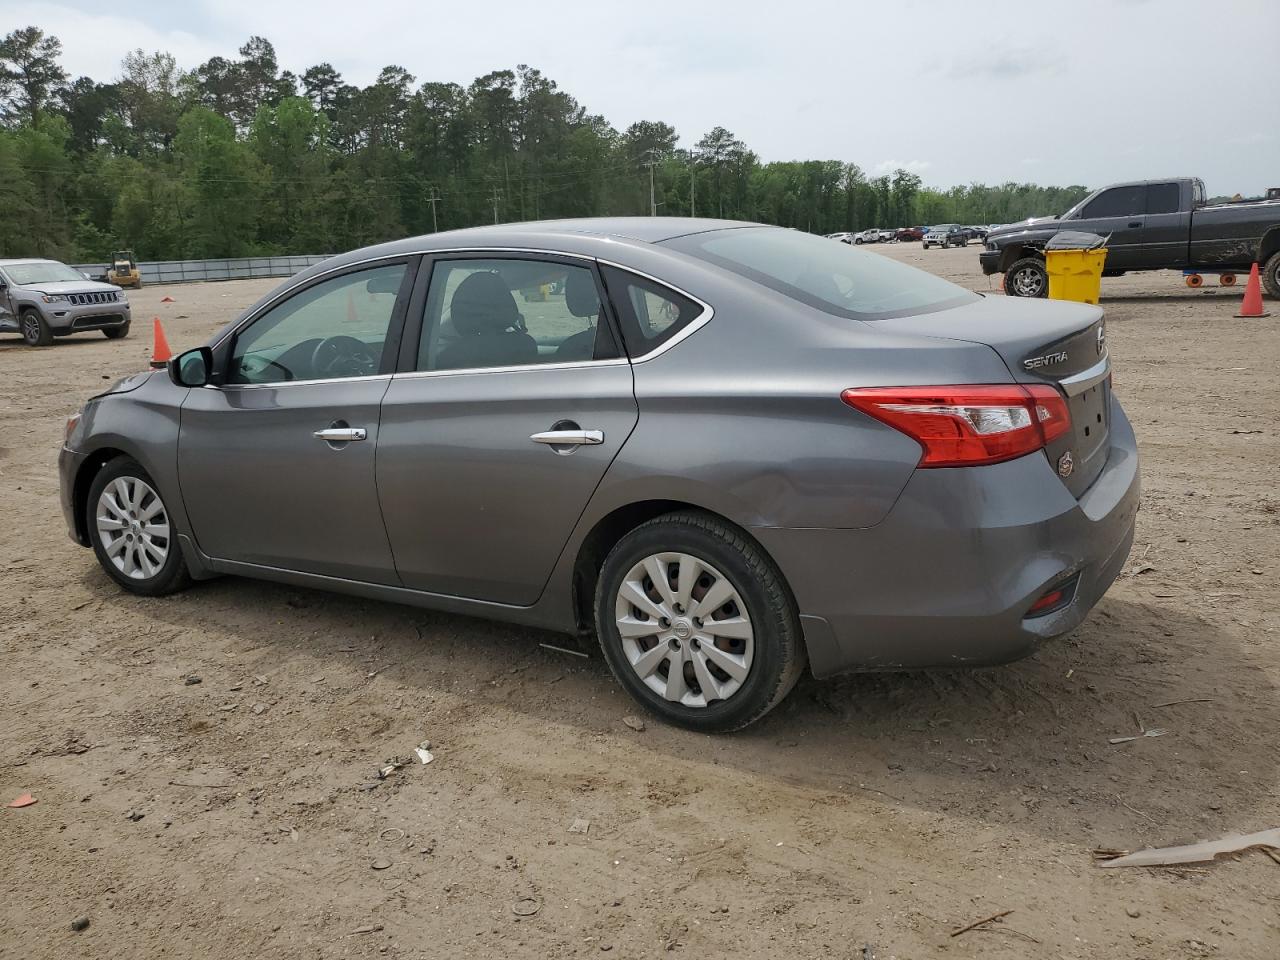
x=342, y=356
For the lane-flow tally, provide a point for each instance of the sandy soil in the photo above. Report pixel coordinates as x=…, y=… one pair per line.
x=867, y=817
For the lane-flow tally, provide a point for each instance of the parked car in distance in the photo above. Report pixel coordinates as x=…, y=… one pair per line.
x=888, y=236
x=588, y=461
x=945, y=235
x=1149, y=225
x=843, y=237
x=43, y=299
x=910, y=233
x=867, y=236
x=976, y=232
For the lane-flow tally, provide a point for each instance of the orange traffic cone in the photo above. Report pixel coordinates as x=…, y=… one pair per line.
x=1251, y=306
x=160, y=352
x=166, y=299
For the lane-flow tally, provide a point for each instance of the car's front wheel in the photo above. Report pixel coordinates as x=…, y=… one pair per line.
x=116, y=333
x=1027, y=278
x=697, y=624
x=132, y=531
x=35, y=329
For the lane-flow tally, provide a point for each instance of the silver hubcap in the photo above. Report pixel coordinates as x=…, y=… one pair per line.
x=1028, y=282
x=32, y=326
x=685, y=629
x=133, y=527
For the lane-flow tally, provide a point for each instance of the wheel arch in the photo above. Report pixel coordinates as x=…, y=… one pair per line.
x=1015, y=252
x=1269, y=245
x=83, y=481
x=612, y=527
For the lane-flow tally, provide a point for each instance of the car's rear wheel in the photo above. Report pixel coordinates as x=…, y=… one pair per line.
x=696, y=623
x=35, y=329
x=1271, y=275
x=132, y=531
x=116, y=333
x=1027, y=278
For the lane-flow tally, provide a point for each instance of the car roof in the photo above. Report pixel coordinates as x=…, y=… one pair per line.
x=643, y=229
x=20, y=260
x=591, y=237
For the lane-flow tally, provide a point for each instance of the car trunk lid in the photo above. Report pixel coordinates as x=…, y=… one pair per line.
x=1053, y=342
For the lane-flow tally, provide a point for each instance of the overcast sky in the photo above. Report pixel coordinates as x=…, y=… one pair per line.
x=1088, y=91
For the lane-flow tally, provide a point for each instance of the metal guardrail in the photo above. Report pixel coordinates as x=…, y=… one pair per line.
x=191, y=271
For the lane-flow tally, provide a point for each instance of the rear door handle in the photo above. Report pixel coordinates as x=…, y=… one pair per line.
x=569, y=438
x=341, y=434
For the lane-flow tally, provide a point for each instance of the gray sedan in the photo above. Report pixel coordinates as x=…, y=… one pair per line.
x=727, y=451
x=43, y=299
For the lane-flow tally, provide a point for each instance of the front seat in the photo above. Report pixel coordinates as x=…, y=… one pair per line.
x=485, y=315
x=582, y=300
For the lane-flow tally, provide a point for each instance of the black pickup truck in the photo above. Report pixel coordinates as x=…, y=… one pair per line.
x=1151, y=225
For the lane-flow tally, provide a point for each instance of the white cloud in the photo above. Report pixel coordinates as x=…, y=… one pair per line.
x=970, y=91
x=911, y=166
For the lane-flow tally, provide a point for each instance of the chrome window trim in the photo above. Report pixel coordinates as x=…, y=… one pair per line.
x=696, y=324
x=1085, y=379
x=295, y=383
x=516, y=368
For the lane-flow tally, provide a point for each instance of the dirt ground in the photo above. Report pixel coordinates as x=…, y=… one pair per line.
x=870, y=816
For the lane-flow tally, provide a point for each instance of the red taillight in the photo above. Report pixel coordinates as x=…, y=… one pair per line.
x=960, y=426
x=1051, y=599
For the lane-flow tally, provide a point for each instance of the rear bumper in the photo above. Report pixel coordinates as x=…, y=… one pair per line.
x=989, y=260
x=947, y=577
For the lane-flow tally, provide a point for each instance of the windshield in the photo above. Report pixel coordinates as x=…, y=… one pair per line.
x=836, y=278
x=25, y=274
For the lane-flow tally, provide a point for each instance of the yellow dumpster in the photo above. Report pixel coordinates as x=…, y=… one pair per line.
x=1075, y=274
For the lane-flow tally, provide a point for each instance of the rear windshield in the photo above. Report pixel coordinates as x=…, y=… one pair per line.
x=834, y=277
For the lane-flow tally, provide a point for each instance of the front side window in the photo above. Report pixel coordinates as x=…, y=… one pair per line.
x=494, y=312
x=835, y=278
x=1117, y=202
x=336, y=328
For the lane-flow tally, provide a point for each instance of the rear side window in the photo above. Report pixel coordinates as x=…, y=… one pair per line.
x=834, y=277
x=1117, y=202
x=1164, y=197
x=651, y=313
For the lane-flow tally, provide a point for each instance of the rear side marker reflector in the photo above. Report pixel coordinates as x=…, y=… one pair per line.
x=1053, y=599
x=966, y=425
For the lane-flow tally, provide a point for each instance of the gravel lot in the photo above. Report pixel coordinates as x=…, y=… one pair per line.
x=243, y=816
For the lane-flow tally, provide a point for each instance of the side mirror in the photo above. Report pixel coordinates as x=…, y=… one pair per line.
x=193, y=368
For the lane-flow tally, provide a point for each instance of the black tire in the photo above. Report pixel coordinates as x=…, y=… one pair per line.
x=778, y=655
x=858, y=241
x=35, y=329
x=1271, y=276
x=116, y=333
x=171, y=575
x=1027, y=278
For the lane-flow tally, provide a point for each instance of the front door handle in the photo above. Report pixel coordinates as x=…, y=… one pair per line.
x=1135, y=224
x=569, y=438
x=341, y=434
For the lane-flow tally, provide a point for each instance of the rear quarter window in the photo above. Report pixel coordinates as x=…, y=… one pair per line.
x=834, y=277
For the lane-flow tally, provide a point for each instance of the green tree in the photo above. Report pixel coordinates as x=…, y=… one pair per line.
x=30, y=75
x=220, y=181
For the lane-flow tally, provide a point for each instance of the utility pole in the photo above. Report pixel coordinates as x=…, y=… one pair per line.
x=495, y=198
x=653, y=203
x=433, y=200
x=693, y=188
